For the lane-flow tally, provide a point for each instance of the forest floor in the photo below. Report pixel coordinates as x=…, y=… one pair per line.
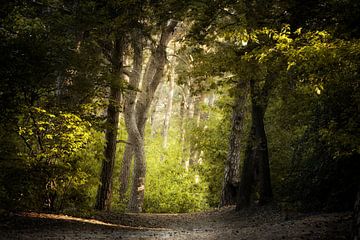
x=255, y=223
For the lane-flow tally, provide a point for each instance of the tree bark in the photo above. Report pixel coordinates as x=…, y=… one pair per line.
x=153, y=111
x=256, y=164
x=197, y=116
x=184, y=113
x=261, y=156
x=232, y=165
x=135, y=120
x=104, y=194
x=166, y=126
x=129, y=109
x=125, y=170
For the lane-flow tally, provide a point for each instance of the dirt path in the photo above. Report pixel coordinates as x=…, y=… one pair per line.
x=258, y=223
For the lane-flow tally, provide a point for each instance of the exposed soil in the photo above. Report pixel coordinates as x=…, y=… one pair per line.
x=256, y=223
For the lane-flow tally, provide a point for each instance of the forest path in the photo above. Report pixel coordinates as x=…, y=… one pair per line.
x=256, y=223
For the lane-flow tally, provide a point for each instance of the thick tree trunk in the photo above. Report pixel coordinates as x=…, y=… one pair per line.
x=256, y=164
x=262, y=158
x=232, y=165
x=247, y=175
x=104, y=194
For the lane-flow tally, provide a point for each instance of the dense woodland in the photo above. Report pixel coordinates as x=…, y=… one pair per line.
x=179, y=106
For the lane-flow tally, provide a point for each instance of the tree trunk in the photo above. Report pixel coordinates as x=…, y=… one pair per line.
x=197, y=116
x=130, y=103
x=153, y=111
x=247, y=175
x=166, y=126
x=138, y=187
x=232, y=165
x=104, y=194
x=184, y=112
x=262, y=157
x=256, y=164
x=135, y=121
x=125, y=170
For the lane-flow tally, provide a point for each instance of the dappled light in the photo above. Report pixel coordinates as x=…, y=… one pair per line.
x=181, y=119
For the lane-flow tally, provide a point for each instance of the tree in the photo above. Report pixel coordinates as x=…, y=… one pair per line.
x=232, y=165
x=39, y=48
x=169, y=104
x=103, y=199
x=136, y=114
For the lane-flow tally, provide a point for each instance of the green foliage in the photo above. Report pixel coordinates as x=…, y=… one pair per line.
x=56, y=68
x=312, y=121
x=47, y=91
x=48, y=171
x=211, y=140
x=319, y=124
x=169, y=186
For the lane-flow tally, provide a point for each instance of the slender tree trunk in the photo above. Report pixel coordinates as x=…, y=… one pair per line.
x=184, y=113
x=104, y=194
x=232, y=165
x=130, y=103
x=138, y=185
x=153, y=110
x=136, y=122
x=194, y=152
x=168, y=111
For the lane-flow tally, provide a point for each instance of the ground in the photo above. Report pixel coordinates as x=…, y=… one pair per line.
x=255, y=223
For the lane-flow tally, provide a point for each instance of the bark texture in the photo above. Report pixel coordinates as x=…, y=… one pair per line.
x=184, y=112
x=168, y=112
x=256, y=168
x=196, y=116
x=129, y=109
x=104, y=194
x=136, y=115
x=232, y=165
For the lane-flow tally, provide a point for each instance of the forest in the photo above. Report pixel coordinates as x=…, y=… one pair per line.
x=165, y=106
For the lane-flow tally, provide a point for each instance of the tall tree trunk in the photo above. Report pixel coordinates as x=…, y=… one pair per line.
x=168, y=111
x=130, y=103
x=136, y=122
x=256, y=163
x=125, y=170
x=232, y=165
x=184, y=112
x=197, y=115
x=104, y=194
x=247, y=175
x=262, y=157
x=153, y=111
x=138, y=185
